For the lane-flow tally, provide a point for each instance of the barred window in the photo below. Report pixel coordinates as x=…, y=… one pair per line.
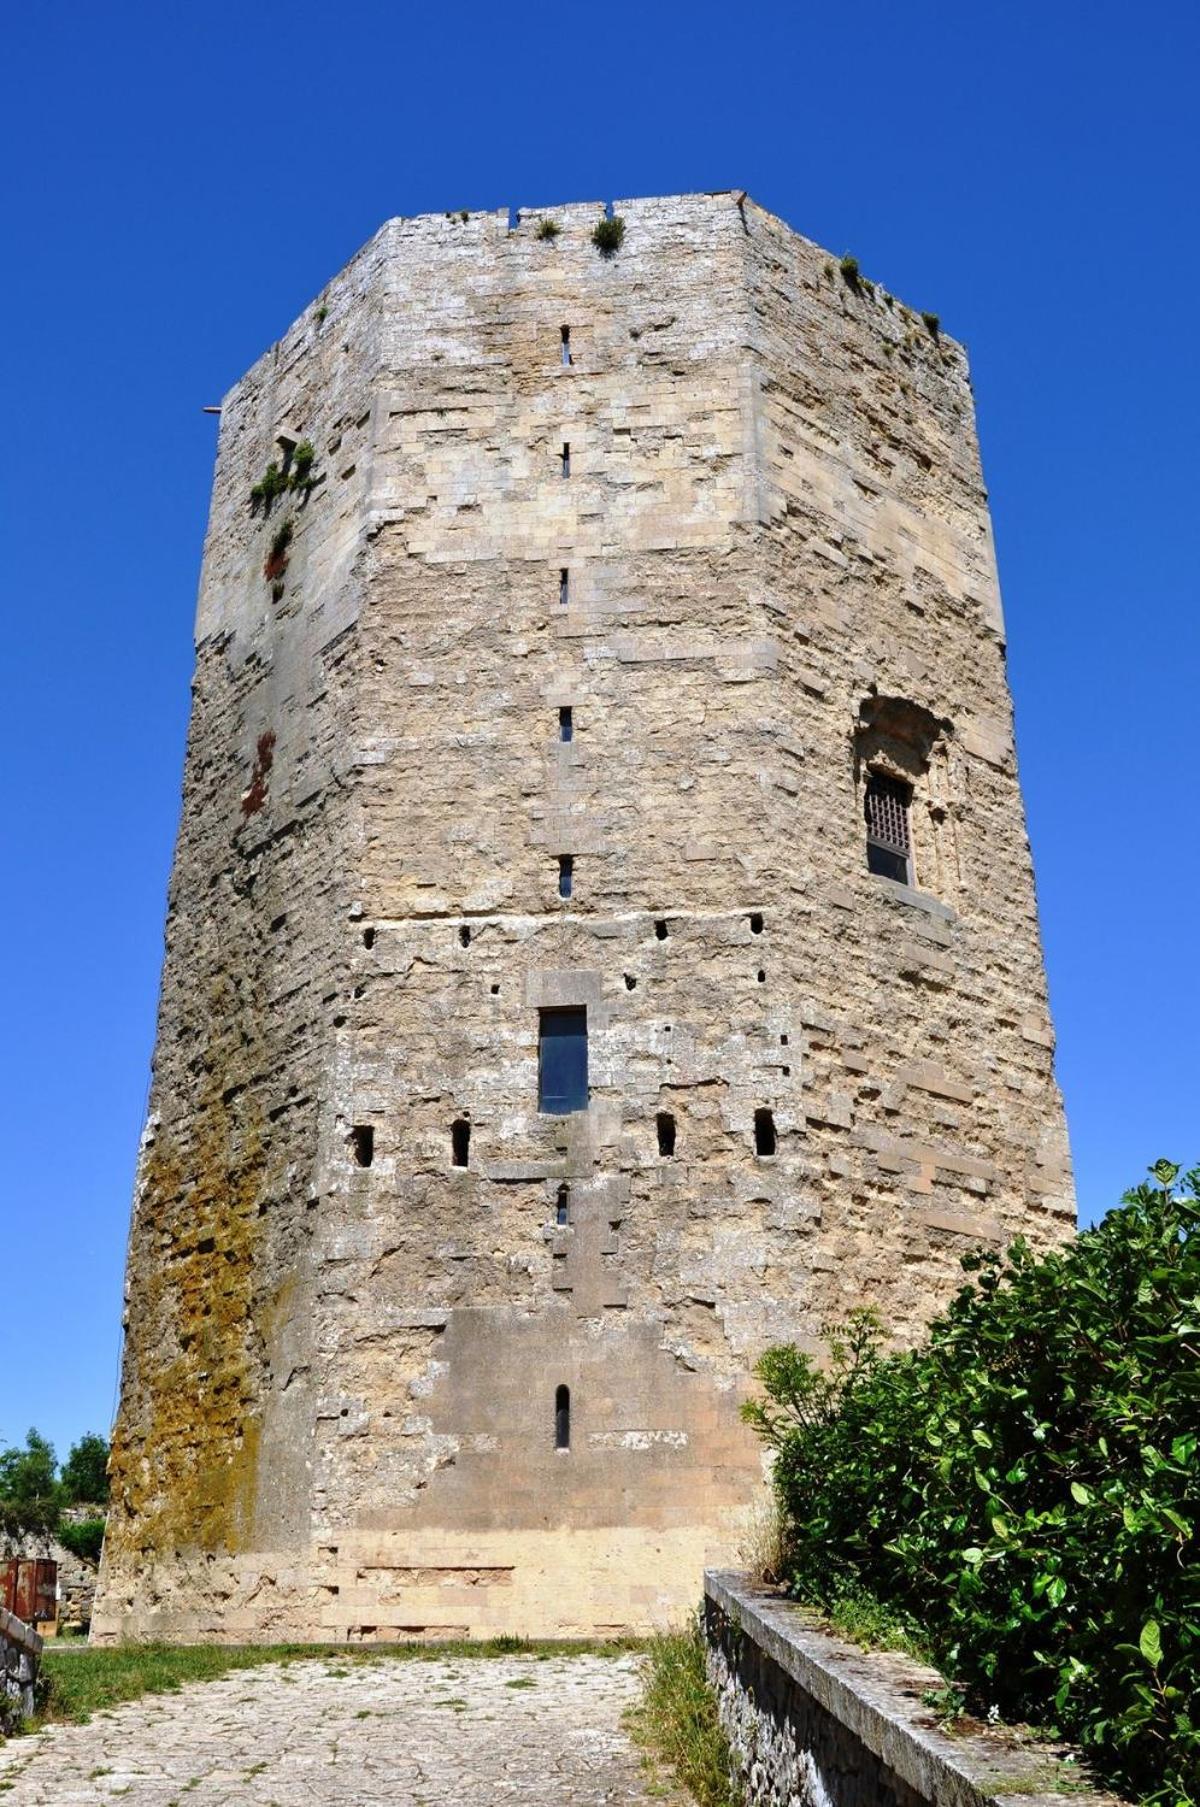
x=889, y=843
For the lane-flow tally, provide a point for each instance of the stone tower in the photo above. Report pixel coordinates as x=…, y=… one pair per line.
x=602, y=936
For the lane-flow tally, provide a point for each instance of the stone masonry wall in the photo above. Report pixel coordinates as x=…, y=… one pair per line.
x=764, y=570
x=813, y=1721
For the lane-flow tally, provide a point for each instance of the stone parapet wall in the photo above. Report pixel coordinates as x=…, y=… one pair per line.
x=20, y=1657
x=814, y=1721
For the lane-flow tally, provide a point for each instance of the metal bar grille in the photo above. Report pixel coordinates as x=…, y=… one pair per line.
x=887, y=813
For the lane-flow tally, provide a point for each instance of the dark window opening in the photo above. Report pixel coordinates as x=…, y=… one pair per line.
x=660, y=930
x=566, y=345
x=562, y=1060
x=495, y=991
x=783, y=1041
x=762, y=977
x=562, y=1418
x=564, y=586
x=666, y=1133
x=460, y=1141
x=566, y=459
x=566, y=724
x=889, y=842
x=464, y=935
x=566, y=875
x=562, y=1205
x=630, y=982
x=368, y=937
x=362, y=1144
x=764, y=1133
x=756, y=923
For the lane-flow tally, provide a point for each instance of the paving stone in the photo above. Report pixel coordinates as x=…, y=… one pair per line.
x=416, y=1731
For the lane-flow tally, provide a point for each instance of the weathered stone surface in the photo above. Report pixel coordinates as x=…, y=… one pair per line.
x=768, y=572
x=813, y=1721
x=391, y=1732
x=20, y=1657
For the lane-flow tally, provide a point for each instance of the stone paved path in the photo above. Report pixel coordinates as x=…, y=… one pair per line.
x=423, y=1733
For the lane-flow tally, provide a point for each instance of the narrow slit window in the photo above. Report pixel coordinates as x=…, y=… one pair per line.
x=562, y=1205
x=566, y=725
x=756, y=923
x=566, y=346
x=464, y=936
x=566, y=875
x=563, y=1060
x=889, y=840
x=764, y=1133
x=460, y=1142
x=362, y=1144
x=562, y=1418
x=566, y=459
x=564, y=587
x=660, y=930
x=666, y=1133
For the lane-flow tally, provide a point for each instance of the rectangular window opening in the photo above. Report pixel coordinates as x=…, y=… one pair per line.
x=563, y=1060
x=460, y=1142
x=566, y=725
x=362, y=1144
x=562, y=1418
x=562, y=1205
x=566, y=875
x=566, y=459
x=886, y=807
x=665, y=1123
x=564, y=586
x=566, y=346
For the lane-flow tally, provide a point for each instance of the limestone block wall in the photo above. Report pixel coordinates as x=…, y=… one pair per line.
x=733, y=524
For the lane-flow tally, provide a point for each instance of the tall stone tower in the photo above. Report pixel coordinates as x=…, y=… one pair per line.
x=602, y=937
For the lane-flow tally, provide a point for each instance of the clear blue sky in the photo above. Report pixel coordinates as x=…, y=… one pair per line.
x=181, y=180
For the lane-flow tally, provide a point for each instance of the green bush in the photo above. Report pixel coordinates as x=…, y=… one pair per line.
x=609, y=235
x=1025, y=1485
x=548, y=229
x=82, y=1539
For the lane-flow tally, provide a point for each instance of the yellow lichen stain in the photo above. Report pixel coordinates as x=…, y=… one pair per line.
x=185, y=1451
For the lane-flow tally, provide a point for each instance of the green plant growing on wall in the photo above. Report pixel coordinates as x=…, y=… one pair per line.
x=548, y=229
x=84, y=1538
x=270, y=485
x=1025, y=1485
x=609, y=235
x=300, y=475
x=321, y=315
x=933, y=324
x=851, y=274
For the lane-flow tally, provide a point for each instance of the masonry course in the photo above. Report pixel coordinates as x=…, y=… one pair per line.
x=344, y=1348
